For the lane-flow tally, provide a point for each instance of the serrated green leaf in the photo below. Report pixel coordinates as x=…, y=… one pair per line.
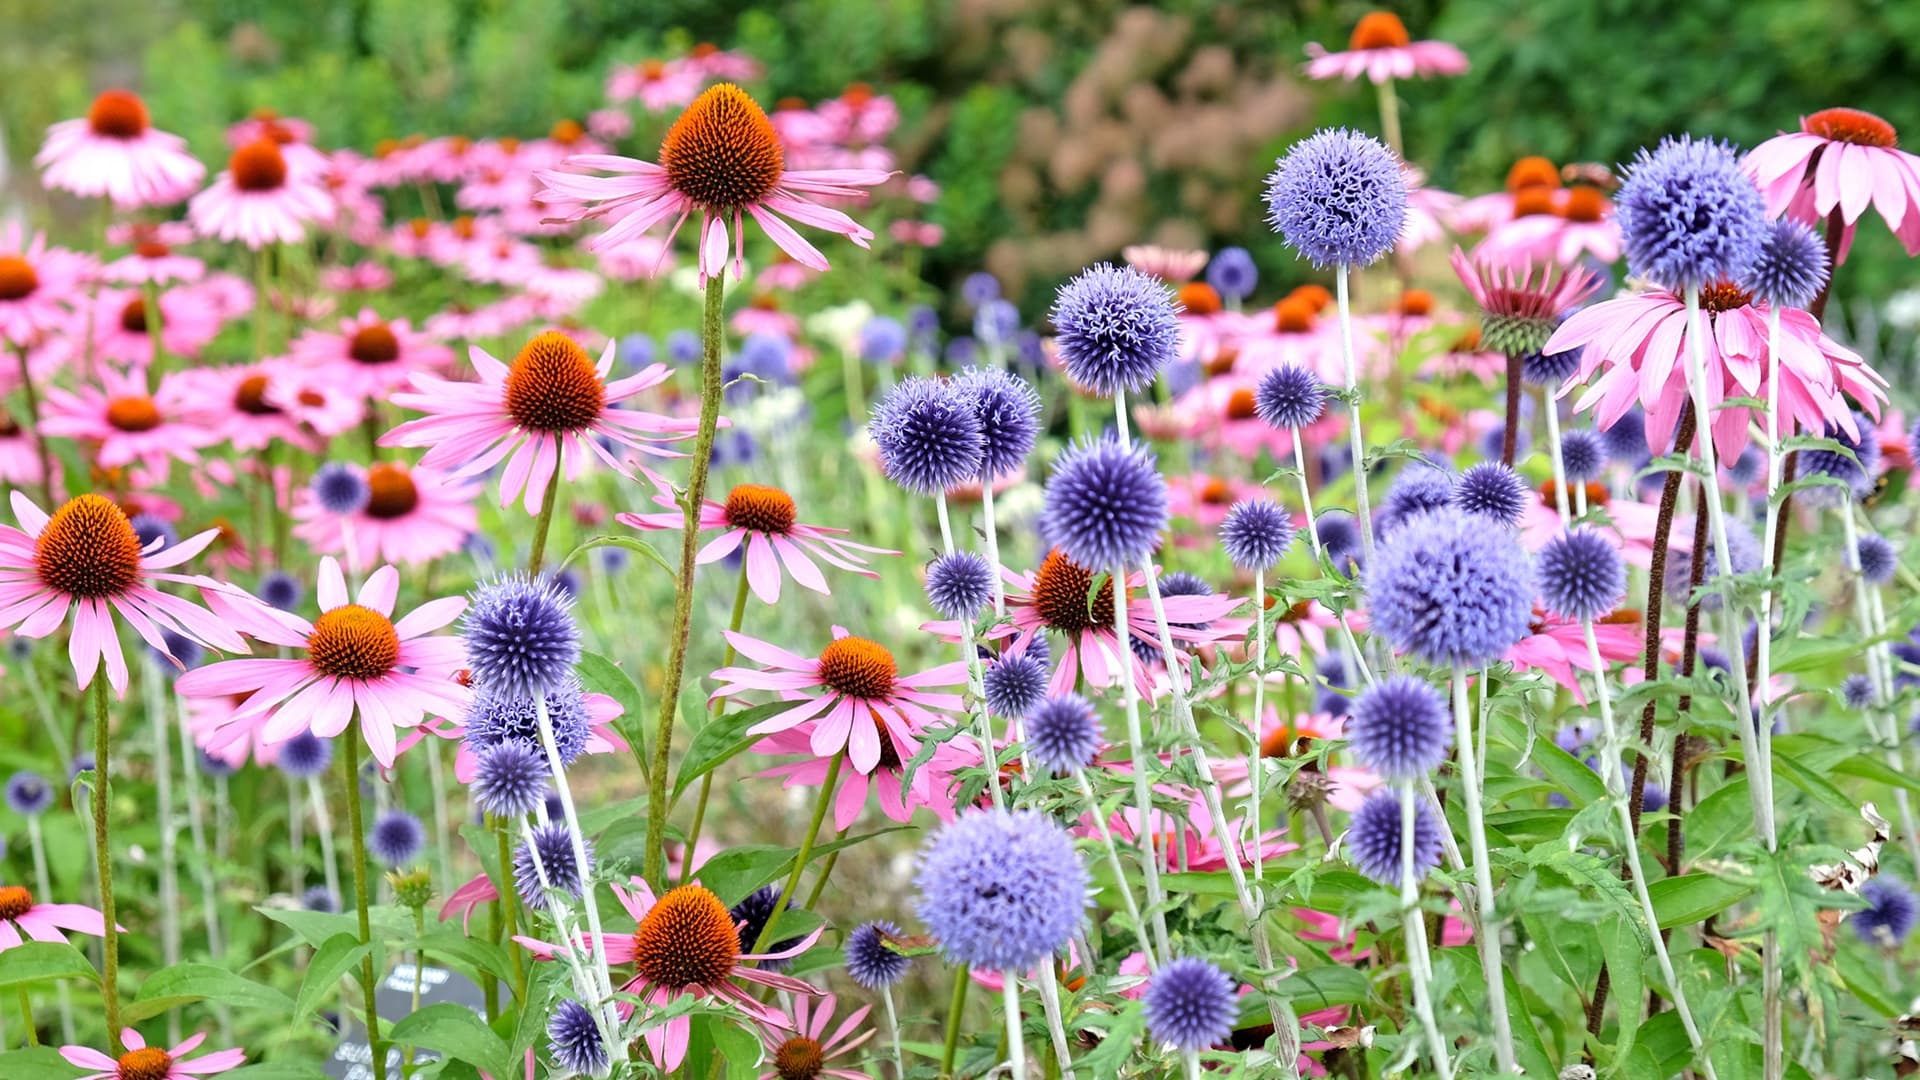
x=1812, y=783
x=1626, y=949
x=1595, y=876
x=630, y=543
x=331, y=962
x=186, y=984
x=44, y=961
x=457, y=1032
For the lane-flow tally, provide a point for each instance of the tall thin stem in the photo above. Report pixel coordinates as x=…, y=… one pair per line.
x=993, y=547
x=713, y=712
x=1355, y=438
x=1413, y=929
x=976, y=677
x=350, y=762
x=805, y=853
x=1119, y=872
x=602, y=980
x=536, y=556
x=44, y=882
x=1255, y=758
x=1143, y=762
x=1016, y=1045
x=1552, y=409
x=323, y=827
x=893, y=1030
x=1489, y=936
x=1390, y=116
x=956, y=1004
x=103, y=865
x=169, y=837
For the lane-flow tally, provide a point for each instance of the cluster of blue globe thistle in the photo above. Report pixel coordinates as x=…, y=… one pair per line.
x=1001, y=891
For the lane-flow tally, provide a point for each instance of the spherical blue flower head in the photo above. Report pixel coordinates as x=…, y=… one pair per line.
x=1191, y=1005
x=1549, y=369
x=1104, y=505
x=1400, y=728
x=1256, y=533
x=1878, y=561
x=1581, y=574
x=509, y=779
x=555, y=846
x=1653, y=798
x=1494, y=441
x=960, y=351
x=1232, y=273
x=1063, y=733
x=340, y=487
x=1889, y=915
x=637, y=350
x=521, y=636
x=1001, y=891
x=1791, y=266
x=1333, y=701
x=1030, y=351
x=29, y=794
x=1338, y=197
x=1449, y=590
x=1339, y=533
x=869, y=961
x=495, y=717
x=1583, y=454
x=959, y=584
x=184, y=649
x=923, y=328
x=763, y=358
x=1688, y=215
x=1859, y=471
x=1493, y=490
x=1373, y=839
x=1742, y=546
x=683, y=348
x=281, y=590
x=979, y=287
x=928, y=436
x=573, y=1038
x=212, y=766
x=995, y=323
x=1575, y=738
x=1014, y=683
x=751, y=915
x=396, y=838
x=1420, y=488
x=149, y=528
x=1746, y=468
x=1290, y=396
x=1856, y=691
x=319, y=898
x=883, y=340
x=304, y=755
x=1008, y=410
x=1114, y=327
x=1626, y=440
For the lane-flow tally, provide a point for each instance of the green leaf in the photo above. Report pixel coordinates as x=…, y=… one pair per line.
x=718, y=741
x=1311, y=989
x=737, y=871
x=474, y=956
x=457, y=1032
x=184, y=984
x=277, y=1070
x=1581, y=784
x=1660, y=1048
x=39, y=1063
x=1813, y=783
x=602, y=676
x=44, y=961
x=331, y=961
x=631, y=543
x=1721, y=818
x=1626, y=951
x=1872, y=768
x=739, y=1046
x=1594, y=875
x=315, y=927
x=1692, y=898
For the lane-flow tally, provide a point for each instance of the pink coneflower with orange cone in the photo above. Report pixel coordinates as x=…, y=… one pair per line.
x=126, y=422
x=762, y=522
x=1841, y=162
x=413, y=516
x=260, y=199
x=123, y=324
x=39, y=285
x=369, y=357
x=116, y=152
x=1381, y=49
x=24, y=918
x=143, y=1062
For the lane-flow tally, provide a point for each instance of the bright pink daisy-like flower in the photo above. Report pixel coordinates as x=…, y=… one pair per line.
x=1381, y=49
x=854, y=687
x=123, y=331
x=722, y=158
x=127, y=422
x=116, y=151
x=658, y=85
x=765, y=521
x=85, y=558
x=1637, y=344
x=801, y=1045
x=143, y=1062
x=933, y=784
x=413, y=516
x=1558, y=648
x=153, y=259
x=355, y=658
x=370, y=357
x=261, y=199
x=548, y=412
x=1841, y=161
x=241, y=404
x=219, y=728
x=686, y=942
x=22, y=919
x=39, y=285
x=19, y=454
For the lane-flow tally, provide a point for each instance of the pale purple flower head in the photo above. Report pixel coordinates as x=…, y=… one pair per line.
x=1791, y=266
x=1014, y=683
x=1400, y=728
x=1878, y=560
x=1001, y=891
x=396, y=837
x=959, y=584
x=1689, y=215
x=1581, y=574
x=1191, y=1005
x=509, y=779
x=554, y=845
x=1063, y=733
x=1105, y=505
x=928, y=436
x=1115, y=328
x=1890, y=912
x=1232, y=273
x=1256, y=533
x=1373, y=839
x=521, y=636
x=1338, y=197
x=1449, y=590
x=1008, y=410
x=869, y=961
x=1290, y=396
x=1492, y=490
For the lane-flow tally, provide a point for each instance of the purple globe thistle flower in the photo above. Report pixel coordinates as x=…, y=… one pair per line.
x=751, y=915
x=1063, y=733
x=928, y=436
x=1581, y=574
x=1626, y=439
x=495, y=717
x=1232, y=273
x=509, y=779
x=764, y=358
x=1582, y=455
x=340, y=487
x=1338, y=533
x=1105, y=505
x=148, y=528
x=1256, y=533
x=1008, y=411
x=1743, y=548
x=1290, y=396
x=304, y=755
x=883, y=341
x=187, y=652
x=1493, y=490
x=683, y=347
x=1373, y=839
x=1449, y=590
x=319, y=898
x=521, y=636
x=1400, y=728
x=1790, y=268
x=1114, y=327
x=1889, y=915
x=959, y=584
x=1191, y=1005
x=281, y=590
x=1856, y=691
x=1653, y=797
x=1549, y=369
x=637, y=350
x=1338, y=197
x=1014, y=683
x=1878, y=561
x=555, y=846
x=1493, y=443
x=979, y=287
x=1746, y=468
x=869, y=961
x=1859, y=471
x=1688, y=215
x=574, y=1040
x=1001, y=891
x=995, y=322
x=396, y=837
x=28, y=793
x=960, y=352
x=1421, y=488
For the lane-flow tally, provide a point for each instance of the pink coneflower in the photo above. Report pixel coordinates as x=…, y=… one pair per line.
x=85, y=558
x=1484, y=212
x=658, y=85
x=1290, y=334
x=567, y=138
x=143, y=1062
x=1219, y=414
x=228, y=734
x=864, y=704
x=1381, y=49
x=1428, y=211
x=19, y=454
x=1636, y=344
x=643, y=257
x=1518, y=304
x=722, y=158
x=260, y=199
x=933, y=785
x=1558, y=648
x=22, y=919
x=122, y=330
x=355, y=658
x=116, y=151
x=370, y=357
x=39, y=285
x=127, y=422
x=266, y=123
x=1188, y=842
x=801, y=1045
x=610, y=124
x=717, y=63
x=549, y=411
x=413, y=516
x=240, y=404
x=153, y=259
x=1204, y=499
x=1176, y=266
x=1841, y=161
x=365, y=276
x=500, y=261
x=765, y=522
x=1581, y=227
x=686, y=942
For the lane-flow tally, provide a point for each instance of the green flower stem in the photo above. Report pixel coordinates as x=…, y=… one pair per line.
x=806, y=851
x=820, y=881
x=26, y=1014
x=103, y=866
x=1488, y=935
x=40, y=444
x=1142, y=783
x=506, y=907
x=956, y=1005
x=713, y=713
x=150, y=307
x=596, y=971
x=1016, y=1044
x=976, y=680
x=351, y=777
x=1414, y=928
x=1390, y=117
x=323, y=826
x=1357, y=438
x=543, y=524
x=893, y=1029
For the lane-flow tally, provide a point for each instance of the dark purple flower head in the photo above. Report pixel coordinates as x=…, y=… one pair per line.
x=521, y=636
x=1581, y=574
x=1008, y=411
x=1105, y=505
x=1256, y=533
x=1063, y=733
x=495, y=718
x=1114, y=327
x=1689, y=215
x=928, y=436
x=959, y=584
x=1859, y=471
x=1191, y=1005
x=29, y=794
x=148, y=527
x=751, y=915
x=1790, y=267
x=340, y=487
x=555, y=847
x=869, y=961
x=1400, y=728
x=574, y=1039
x=1492, y=490
x=1420, y=488
x=1232, y=273
x=1889, y=915
x=319, y=898
x=509, y=779
x=1549, y=369
x=396, y=837
x=1626, y=440
x=1338, y=197
x=1338, y=532
x=1878, y=560
x=1449, y=590
x=1856, y=691
x=1001, y=891
x=1582, y=454
x=1014, y=683
x=304, y=755
x=1373, y=839
x=281, y=590
x=1290, y=396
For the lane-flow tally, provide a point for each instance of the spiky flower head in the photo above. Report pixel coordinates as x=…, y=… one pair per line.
x=1790, y=268
x=1232, y=273
x=396, y=838
x=1191, y=1005
x=28, y=794
x=1256, y=533
x=1014, y=682
x=1008, y=410
x=1889, y=915
x=304, y=755
x=1400, y=728
x=413, y=888
x=1878, y=561
x=509, y=779
x=550, y=853
x=521, y=636
x=495, y=717
x=869, y=961
x=1689, y=216
x=959, y=584
x=1858, y=471
x=1063, y=733
x=1449, y=590
x=1492, y=490
x=1521, y=306
x=1581, y=574
x=1338, y=197
x=1549, y=369
x=1001, y=890
x=1373, y=839
x=1856, y=691
x=1582, y=455
x=1290, y=396
x=340, y=487
x=1115, y=328
x=928, y=436
x=574, y=1039
x=1420, y=488
x=1105, y=504
x=751, y=915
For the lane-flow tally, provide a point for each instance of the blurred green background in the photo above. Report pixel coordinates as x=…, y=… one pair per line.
x=1059, y=130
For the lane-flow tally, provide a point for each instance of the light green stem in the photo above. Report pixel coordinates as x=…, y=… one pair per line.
x=719, y=706
x=543, y=524
x=351, y=764
x=103, y=866
x=806, y=852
